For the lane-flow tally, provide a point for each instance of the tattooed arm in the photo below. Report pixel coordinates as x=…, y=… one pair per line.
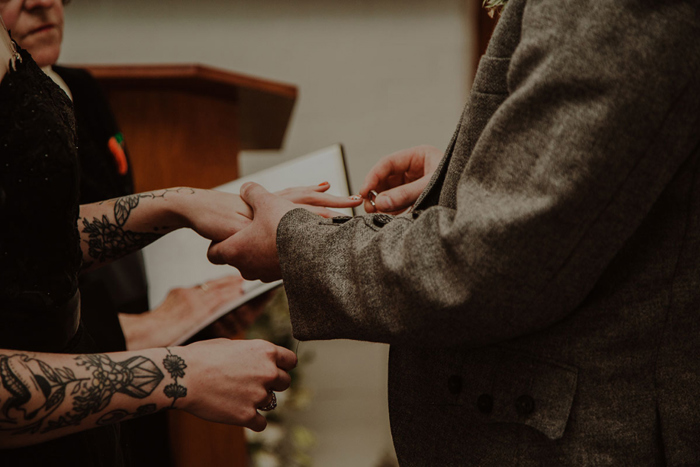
x=114, y=228
x=45, y=396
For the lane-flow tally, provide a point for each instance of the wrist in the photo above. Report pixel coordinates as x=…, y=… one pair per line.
x=178, y=209
x=177, y=375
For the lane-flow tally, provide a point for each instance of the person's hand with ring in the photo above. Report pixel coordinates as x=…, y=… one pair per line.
x=397, y=180
x=235, y=379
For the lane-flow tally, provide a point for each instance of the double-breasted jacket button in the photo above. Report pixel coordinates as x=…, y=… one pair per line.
x=524, y=405
x=380, y=220
x=485, y=403
x=454, y=384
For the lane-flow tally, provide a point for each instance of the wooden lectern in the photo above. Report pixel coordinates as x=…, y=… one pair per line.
x=184, y=126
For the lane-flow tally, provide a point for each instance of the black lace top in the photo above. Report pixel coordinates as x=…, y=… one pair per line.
x=39, y=246
x=39, y=242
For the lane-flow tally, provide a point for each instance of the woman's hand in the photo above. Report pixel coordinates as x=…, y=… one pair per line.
x=400, y=178
x=315, y=199
x=113, y=228
x=182, y=309
x=229, y=380
x=216, y=215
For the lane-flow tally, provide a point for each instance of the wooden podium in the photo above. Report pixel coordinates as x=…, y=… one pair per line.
x=184, y=125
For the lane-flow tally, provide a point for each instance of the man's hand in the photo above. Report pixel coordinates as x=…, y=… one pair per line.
x=253, y=250
x=400, y=178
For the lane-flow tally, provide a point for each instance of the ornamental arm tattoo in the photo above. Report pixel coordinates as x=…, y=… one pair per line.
x=108, y=237
x=38, y=397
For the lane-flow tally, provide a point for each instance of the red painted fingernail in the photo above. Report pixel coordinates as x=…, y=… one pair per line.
x=355, y=197
x=323, y=183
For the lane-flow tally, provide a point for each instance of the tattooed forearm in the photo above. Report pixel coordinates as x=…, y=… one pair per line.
x=123, y=206
x=176, y=367
x=38, y=398
x=107, y=240
x=111, y=239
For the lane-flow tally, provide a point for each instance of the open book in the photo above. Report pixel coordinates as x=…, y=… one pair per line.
x=179, y=259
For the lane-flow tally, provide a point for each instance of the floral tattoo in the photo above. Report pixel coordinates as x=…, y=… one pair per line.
x=175, y=365
x=110, y=240
x=34, y=392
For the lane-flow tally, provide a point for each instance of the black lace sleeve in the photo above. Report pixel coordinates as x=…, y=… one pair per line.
x=39, y=241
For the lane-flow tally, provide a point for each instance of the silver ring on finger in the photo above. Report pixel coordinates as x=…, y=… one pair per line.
x=372, y=196
x=272, y=405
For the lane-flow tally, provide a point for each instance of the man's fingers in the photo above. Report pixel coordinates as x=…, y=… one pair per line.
x=219, y=252
x=401, y=197
x=376, y=177
x=252, y=194
x=369, y=207
x=397, y=164
x=286, y=359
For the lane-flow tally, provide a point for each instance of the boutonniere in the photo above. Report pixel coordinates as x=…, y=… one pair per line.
x=494, y=6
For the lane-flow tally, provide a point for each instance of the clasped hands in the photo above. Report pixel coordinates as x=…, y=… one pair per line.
x=234, y=378
x=398, y=178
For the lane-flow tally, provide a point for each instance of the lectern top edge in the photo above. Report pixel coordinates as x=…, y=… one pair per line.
x=192, y=73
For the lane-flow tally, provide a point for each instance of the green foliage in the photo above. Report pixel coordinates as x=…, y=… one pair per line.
x=494, y=5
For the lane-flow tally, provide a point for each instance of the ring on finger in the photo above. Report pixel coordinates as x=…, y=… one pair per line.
x=272, y=405
x=372, y=196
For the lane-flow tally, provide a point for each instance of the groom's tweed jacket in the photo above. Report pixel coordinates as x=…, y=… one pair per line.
x=542, y=301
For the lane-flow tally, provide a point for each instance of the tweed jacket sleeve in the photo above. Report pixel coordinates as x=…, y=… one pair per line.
x=595, y=100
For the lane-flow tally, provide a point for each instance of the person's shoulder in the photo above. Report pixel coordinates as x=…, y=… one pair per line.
x=77, y=78
x=88, y=96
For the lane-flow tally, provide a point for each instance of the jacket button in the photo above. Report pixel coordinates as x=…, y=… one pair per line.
x=524, y=405
x=454, y=384
x=485, y=403
x=380, y=220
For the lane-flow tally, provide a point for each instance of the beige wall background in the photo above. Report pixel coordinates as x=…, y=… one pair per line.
x=375, y=75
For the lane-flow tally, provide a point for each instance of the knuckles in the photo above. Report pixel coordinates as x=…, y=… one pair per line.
x=269, y=375
x=248, y=414
x=260, y=395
